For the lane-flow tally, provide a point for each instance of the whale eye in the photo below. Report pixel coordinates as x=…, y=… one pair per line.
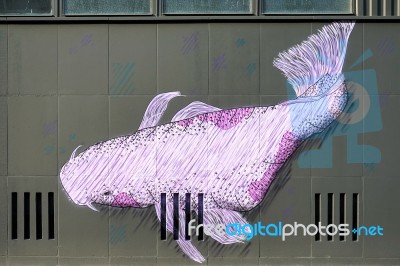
x=107, y=193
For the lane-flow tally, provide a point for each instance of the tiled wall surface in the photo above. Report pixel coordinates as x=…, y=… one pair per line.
x=71, y=84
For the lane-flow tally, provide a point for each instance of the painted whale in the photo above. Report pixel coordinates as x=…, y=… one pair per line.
x=231, y=156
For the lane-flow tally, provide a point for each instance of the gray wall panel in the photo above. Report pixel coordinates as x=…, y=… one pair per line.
x=234, y=65
x=3, y=135
x=132, y=60
x=83, y=59
x=182, y=58
x=32, y=131
x=3, y=59
x=380, y=194
x=32, y=64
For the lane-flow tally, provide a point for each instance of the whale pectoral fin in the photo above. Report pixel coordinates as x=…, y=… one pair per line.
x=323, y=53
x=186, y=245
x=193, y=109
x=224, y=217
x=157, y=108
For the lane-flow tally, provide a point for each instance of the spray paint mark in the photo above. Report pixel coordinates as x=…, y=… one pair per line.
x=123, y=74
x=251, y=68
x=50, y=149
x=117, y=234
x=86, y=40
x=240, y=42
x=387, y=46
x=383, y=99
x=287, y=213
x=72, y=136
x=190, y=42
x=218, y=63
x=370, y=167
x=367, y=54
x=49, y=128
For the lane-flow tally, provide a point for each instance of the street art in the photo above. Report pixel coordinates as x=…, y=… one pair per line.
x=229, y=156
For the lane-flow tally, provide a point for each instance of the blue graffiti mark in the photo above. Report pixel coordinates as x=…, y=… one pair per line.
x=240, y=42
x=370, y=166
x=365, y=119
x=123, y=74
x=251, y=68
x=72, y=137
x=218, y=63
x=50, y=149
x=117, y=234
x=190, y=42
x=367, y=54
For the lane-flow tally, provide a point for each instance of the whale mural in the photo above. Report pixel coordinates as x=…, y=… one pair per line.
x=230, y=156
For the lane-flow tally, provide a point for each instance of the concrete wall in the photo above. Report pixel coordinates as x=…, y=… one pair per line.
x=70, y=84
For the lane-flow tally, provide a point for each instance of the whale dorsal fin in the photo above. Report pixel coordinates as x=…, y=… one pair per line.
x=193, y=109
x=323, y=53
x=157, y=108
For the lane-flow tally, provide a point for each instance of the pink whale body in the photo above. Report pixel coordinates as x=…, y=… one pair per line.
x=231, y=156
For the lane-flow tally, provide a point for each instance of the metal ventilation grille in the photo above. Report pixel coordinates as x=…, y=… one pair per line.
x=200, y=199
x=378, y=7
x=32, y=216
x=345, y=201
x=29, y=214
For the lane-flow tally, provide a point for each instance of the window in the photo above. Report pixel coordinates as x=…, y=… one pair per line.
x=26, y=7
x=107, y=7
x=198, y=7
x=283, y=7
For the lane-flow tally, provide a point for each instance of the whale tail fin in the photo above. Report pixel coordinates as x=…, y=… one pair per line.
x=322, y=54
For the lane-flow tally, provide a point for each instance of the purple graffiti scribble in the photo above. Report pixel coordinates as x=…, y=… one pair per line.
x=86, y=40
x=287, y=212
x=218, y=63
x=384, y=99
x=190, y=43
x=50, y=128
x=387, y=46
x=231, y=156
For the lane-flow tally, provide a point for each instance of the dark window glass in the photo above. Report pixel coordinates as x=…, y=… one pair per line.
x=25, y=7
x=207, y=7
x=107, y=7
x=307, y=6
